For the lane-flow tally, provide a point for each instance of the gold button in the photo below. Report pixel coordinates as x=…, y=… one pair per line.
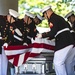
x=5, y=28
x=1, y=26
x=6, y=25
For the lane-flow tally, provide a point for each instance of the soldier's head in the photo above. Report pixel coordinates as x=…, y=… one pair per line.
x=38, y=19
x=47, y=11
x=70, y=17
x=28, y=17
x=13, y=15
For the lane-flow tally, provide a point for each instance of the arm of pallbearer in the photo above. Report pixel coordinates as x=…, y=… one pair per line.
x=3, y=39
x=9, y=35
x=35, y=33
x=39, y=35
x=7, y=40
x=5, y=44
x=25, y=44
x=43, y=35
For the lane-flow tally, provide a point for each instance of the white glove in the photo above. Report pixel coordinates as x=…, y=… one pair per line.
x=25, y=44
x=39, y=35
x=5, y=44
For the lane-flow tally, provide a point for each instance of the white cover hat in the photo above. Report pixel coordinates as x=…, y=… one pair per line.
x=29, y=14
x=69, y=14
x=13, y=13
x=45, y=9
x=40, y=17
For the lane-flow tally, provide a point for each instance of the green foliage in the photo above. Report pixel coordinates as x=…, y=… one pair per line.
x=58, y=7
x=44, y=24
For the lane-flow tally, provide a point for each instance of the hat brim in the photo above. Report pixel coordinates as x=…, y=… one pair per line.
x=45, y=9
x=13, y=13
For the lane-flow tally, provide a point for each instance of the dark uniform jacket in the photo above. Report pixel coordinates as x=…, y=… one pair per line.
x=73, y=28
x=60, y=31
x=33, y=31
x=26, y=30
x=22, y=27
x=4, y=31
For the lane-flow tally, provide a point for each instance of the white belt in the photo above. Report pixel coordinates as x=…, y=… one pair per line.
x=0, y=38
x=18, y=38
x=72, y=31
x=65, y=29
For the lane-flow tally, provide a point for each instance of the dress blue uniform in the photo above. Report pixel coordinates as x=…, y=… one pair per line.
x=25, y=28
x=5, y=37
x=63, y=39
x=14, y=16
x=71, y=60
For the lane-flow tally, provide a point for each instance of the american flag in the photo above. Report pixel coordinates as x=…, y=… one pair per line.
x=18, y=55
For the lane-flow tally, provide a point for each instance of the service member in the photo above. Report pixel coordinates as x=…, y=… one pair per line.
x=71, y=18
x=5, y=34
x=24, y=25
x=33, y=30
x=6, y=37
x=70, y=64
x=38, y=19
x=63, y=39
x=14, y=17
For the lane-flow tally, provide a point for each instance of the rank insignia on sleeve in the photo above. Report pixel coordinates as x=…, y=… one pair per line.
x=51, y=25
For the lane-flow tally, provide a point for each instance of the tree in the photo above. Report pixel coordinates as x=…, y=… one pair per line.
x=34, y=6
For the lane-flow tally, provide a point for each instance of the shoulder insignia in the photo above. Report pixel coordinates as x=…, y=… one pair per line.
x=51, y=25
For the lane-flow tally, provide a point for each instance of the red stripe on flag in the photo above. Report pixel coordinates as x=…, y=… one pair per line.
x=31, y=51
x=18, y=47
x=34, y=45
x=26, y=56
x=11, y=57
x=41, y=45
x=34, y=54
x=49, y=47
x=16, y=60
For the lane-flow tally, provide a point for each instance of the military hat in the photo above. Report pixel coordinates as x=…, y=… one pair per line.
x=13, y=13
x=45, y=9
x=69, y=14
x=29, y=14
x=40, y=17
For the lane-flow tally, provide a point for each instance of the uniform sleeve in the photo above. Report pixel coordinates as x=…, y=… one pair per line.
x=52, y=32
x=9, y=36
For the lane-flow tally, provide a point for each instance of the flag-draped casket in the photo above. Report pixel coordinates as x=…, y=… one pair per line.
x=19, y=54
